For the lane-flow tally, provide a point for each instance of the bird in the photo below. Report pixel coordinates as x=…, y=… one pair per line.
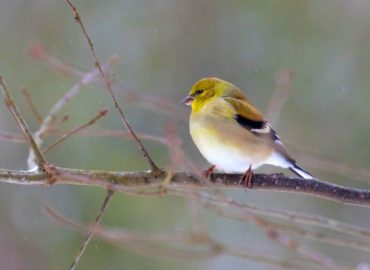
x=231, y=133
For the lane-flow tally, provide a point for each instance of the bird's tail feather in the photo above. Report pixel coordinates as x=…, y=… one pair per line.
x=299, y=171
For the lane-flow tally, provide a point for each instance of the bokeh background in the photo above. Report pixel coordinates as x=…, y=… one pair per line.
x=163, y=47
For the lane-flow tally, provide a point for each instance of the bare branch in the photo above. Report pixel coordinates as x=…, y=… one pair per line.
x=108, y=86
x=120, y=181
x=39, y=157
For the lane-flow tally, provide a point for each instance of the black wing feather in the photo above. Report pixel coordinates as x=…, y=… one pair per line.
x=248, y=123
x=258, y=128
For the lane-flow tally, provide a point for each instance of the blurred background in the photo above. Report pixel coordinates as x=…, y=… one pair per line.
x=163, y=47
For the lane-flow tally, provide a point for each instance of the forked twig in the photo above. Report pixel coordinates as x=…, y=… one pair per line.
x=49, y=118
x=65, y=136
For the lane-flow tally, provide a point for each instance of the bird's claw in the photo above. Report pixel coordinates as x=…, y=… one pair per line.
x=209, y=171
x=247, y=178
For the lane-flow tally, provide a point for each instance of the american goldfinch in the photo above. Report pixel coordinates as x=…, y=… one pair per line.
x=231, y=133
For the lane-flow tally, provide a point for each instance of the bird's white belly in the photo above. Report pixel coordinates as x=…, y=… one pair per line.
x=224, y=158
x=228, y=154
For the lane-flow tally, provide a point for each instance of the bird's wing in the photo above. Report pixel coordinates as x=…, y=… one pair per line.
x=251, y=119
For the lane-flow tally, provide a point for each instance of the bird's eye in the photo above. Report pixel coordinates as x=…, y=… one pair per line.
x=199, y=91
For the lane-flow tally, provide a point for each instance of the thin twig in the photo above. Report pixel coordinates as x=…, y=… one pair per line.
x=108, y=86
x=32, y=106
x=12, y=137
x=39, y=157
x=65, y=136
x=92, y=229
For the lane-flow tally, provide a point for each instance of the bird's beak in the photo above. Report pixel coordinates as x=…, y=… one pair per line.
x=187, y=100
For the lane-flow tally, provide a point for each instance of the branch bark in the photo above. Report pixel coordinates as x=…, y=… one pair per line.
x=121, y=181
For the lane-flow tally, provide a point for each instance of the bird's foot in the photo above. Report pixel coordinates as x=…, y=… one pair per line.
x=209, y=171
x=247, y=178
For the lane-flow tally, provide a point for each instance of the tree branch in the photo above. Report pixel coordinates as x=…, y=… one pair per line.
x=121, y=181
x=39, y=157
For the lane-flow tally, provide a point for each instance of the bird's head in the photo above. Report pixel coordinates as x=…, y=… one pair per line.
x=206, y=90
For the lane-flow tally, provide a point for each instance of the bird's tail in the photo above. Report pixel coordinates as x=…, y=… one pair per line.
x=299, y=171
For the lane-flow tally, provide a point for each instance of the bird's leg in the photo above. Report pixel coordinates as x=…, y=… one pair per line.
x=247, y=178
x=209, y=171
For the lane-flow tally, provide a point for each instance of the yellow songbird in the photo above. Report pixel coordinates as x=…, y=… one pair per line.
x=231, y=133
